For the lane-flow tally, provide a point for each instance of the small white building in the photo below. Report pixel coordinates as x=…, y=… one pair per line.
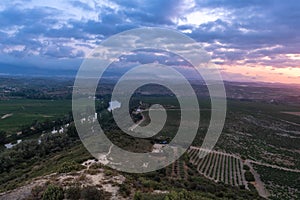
x=157, y=148
x=83, y=120
x=61, y=130
x=54, y=131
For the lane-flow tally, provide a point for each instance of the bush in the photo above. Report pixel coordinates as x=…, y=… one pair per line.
x=242, y=187
x=246, y=167
x=73, y=193
x=220, y=194
x=249, y=176
x=72, y=132
x=67, y=167
x=125, y=190
x=93, y=193
x=138, y=196
x=53, y=192
x=2, y=137
x=91, y=171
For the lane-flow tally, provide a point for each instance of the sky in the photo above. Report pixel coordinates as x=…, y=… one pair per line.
x=249, y=40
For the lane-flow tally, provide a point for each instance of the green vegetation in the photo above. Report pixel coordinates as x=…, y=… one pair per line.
x=246, y=167
x=69, y=166
x=93, y=193
x=249, y=176
x=25, y=112
x=57, y=192
x=281, y=184
x=192, y=187
x=173, y=195
x=218, y=166
x=30, y=159
x=73, y=193
x=125, y=190
x=53, y=192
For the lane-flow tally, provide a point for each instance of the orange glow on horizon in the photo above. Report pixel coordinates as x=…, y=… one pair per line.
x=289, y=75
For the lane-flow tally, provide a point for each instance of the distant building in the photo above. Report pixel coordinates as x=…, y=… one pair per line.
x=54, y=131
x=61, y=130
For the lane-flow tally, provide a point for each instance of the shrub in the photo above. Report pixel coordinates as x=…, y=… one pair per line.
x=242, y=187
x=67, y=167
x=73, y=193
x=246, y=167
x=249, y=176
x=93, y=193
x=220, y=194
x=125, y=190
x=91, y=171
x=53, y=192
x=138, y=196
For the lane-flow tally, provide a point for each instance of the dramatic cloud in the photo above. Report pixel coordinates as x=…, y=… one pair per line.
x=252, y=33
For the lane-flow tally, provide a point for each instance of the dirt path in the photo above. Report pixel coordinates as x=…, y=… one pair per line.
x=7, y=116
x=226, y=170
x=273, y=166
x=204, y=164
x=193, y=155
x=238, y=170
x=208, y=166
x=219, y=168
x=216, y=166
x=211, y=165
x=104, y=158
x=223, y=168
x=137, y=124
x=201, y=163
x=243, y=175
x=230, y=171
x=197, y=160
x=235, y=182
x=185, y=168
x=259, y=185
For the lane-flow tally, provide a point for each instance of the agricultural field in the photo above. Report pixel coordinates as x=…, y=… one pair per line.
x=177, y=170
x=16, y=113
x=219, y=166
x=281, y=184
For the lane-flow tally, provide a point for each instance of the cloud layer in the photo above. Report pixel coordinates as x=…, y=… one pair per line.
x=253, y=33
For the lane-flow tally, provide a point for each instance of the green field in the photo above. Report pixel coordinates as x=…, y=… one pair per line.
x=24, y=112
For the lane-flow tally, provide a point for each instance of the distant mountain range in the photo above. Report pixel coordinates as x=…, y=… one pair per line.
x=29, y=71
x=14, y=70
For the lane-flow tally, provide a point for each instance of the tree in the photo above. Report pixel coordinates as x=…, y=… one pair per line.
x=2, y=137
x=72, y=132
x=249, y=176
x=246, y=167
